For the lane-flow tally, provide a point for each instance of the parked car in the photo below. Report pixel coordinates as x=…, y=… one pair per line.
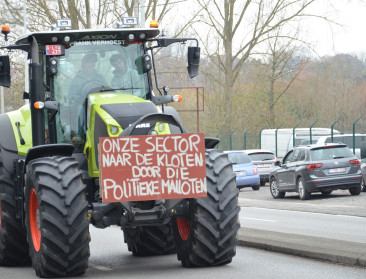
x=246, y=172
x=363, y=171
x=348, y=139
x=264, y=160
x=316, y=168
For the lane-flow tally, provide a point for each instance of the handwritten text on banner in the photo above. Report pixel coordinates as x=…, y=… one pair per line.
x=137, y=168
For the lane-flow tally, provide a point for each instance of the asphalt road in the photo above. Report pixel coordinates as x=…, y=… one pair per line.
x=341, y=227
x=110, y=259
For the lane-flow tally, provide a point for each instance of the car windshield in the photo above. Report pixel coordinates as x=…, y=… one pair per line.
x=262, y=156
x=239, y=158
x=330, y=152
x=92, y=67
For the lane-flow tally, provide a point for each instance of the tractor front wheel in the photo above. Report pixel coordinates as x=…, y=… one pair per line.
x=13, y=237
x=208, y=237
x=56, y=217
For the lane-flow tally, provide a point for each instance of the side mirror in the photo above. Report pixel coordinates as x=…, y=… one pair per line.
x=193, y=61
x=4, y=71
x=277, y=163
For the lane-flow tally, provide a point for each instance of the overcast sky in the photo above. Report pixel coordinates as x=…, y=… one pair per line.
x=351, y=38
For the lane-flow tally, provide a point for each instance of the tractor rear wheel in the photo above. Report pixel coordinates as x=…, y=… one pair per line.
x=208, y=237
x=56, y=217
x=13, y=237
x=150, y=240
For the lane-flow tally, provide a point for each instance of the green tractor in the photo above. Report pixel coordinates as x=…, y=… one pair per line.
x=85, y=86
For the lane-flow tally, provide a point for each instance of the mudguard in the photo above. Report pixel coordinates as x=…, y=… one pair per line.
x=49, y=150
x=173, y=128
x=8, y=144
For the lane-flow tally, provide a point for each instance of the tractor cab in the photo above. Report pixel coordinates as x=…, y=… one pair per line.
x=75, y=71
x=75, y=64
x=70, y=70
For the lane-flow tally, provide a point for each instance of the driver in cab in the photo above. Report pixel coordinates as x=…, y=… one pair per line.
x=86, y=79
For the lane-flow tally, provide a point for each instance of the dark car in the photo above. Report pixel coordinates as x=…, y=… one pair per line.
x=363, y=171
x=316, y=168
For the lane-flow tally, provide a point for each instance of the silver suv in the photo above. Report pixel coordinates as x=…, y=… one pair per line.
x=264, y=160
x=316, y=168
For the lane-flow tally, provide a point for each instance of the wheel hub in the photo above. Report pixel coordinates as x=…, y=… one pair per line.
x=274, y=188
x=34, y=220
x=184, y=228
x=301, y=189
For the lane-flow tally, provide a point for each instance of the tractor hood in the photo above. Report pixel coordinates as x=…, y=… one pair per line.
x=108, y=114
x=114, y=98
x=123, y=108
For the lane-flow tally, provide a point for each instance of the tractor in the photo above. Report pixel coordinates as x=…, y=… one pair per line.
x=54, y=177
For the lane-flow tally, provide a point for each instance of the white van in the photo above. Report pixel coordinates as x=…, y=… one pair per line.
x=346, y=139
x=285, y=138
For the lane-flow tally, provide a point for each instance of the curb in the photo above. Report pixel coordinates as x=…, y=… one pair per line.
x=319, y=248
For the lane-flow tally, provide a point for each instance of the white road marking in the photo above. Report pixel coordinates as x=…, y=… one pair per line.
x=100, y=267
x=264, y=220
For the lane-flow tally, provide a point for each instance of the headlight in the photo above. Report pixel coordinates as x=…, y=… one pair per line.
x=114, y=130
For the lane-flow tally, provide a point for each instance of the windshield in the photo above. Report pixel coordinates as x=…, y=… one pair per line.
x=91, y=67
x=331, y=152
x=262, y=156
x=239, y=158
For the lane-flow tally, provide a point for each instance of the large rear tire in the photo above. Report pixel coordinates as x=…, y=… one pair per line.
x=13, y=237
x=56, y=217
x=150, y=240
x=208, y=237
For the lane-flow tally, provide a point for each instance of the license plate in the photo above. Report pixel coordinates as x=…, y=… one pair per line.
x=337, y=170
x=241, y=173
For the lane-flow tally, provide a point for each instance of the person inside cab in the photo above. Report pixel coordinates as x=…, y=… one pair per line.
x=86, y=79
x=124, y=78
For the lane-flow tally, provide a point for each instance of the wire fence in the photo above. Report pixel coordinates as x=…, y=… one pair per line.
x=275, y=139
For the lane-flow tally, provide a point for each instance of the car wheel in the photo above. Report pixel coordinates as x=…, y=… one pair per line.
x=326, y=192
x=301, y=189
x=275, y=192
x=363, y=188
x=355, y=190
x=256, y=187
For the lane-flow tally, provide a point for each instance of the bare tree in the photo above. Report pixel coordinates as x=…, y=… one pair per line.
x=242, y=26
x=281, y=66
x=83, y=13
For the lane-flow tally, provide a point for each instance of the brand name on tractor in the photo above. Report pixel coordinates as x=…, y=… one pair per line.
x=99, y=37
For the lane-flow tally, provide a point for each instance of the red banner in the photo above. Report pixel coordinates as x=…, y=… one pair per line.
x=138, y=168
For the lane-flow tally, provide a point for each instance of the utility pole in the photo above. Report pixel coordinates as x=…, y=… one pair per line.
x=26, y=72
x=142, y=13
